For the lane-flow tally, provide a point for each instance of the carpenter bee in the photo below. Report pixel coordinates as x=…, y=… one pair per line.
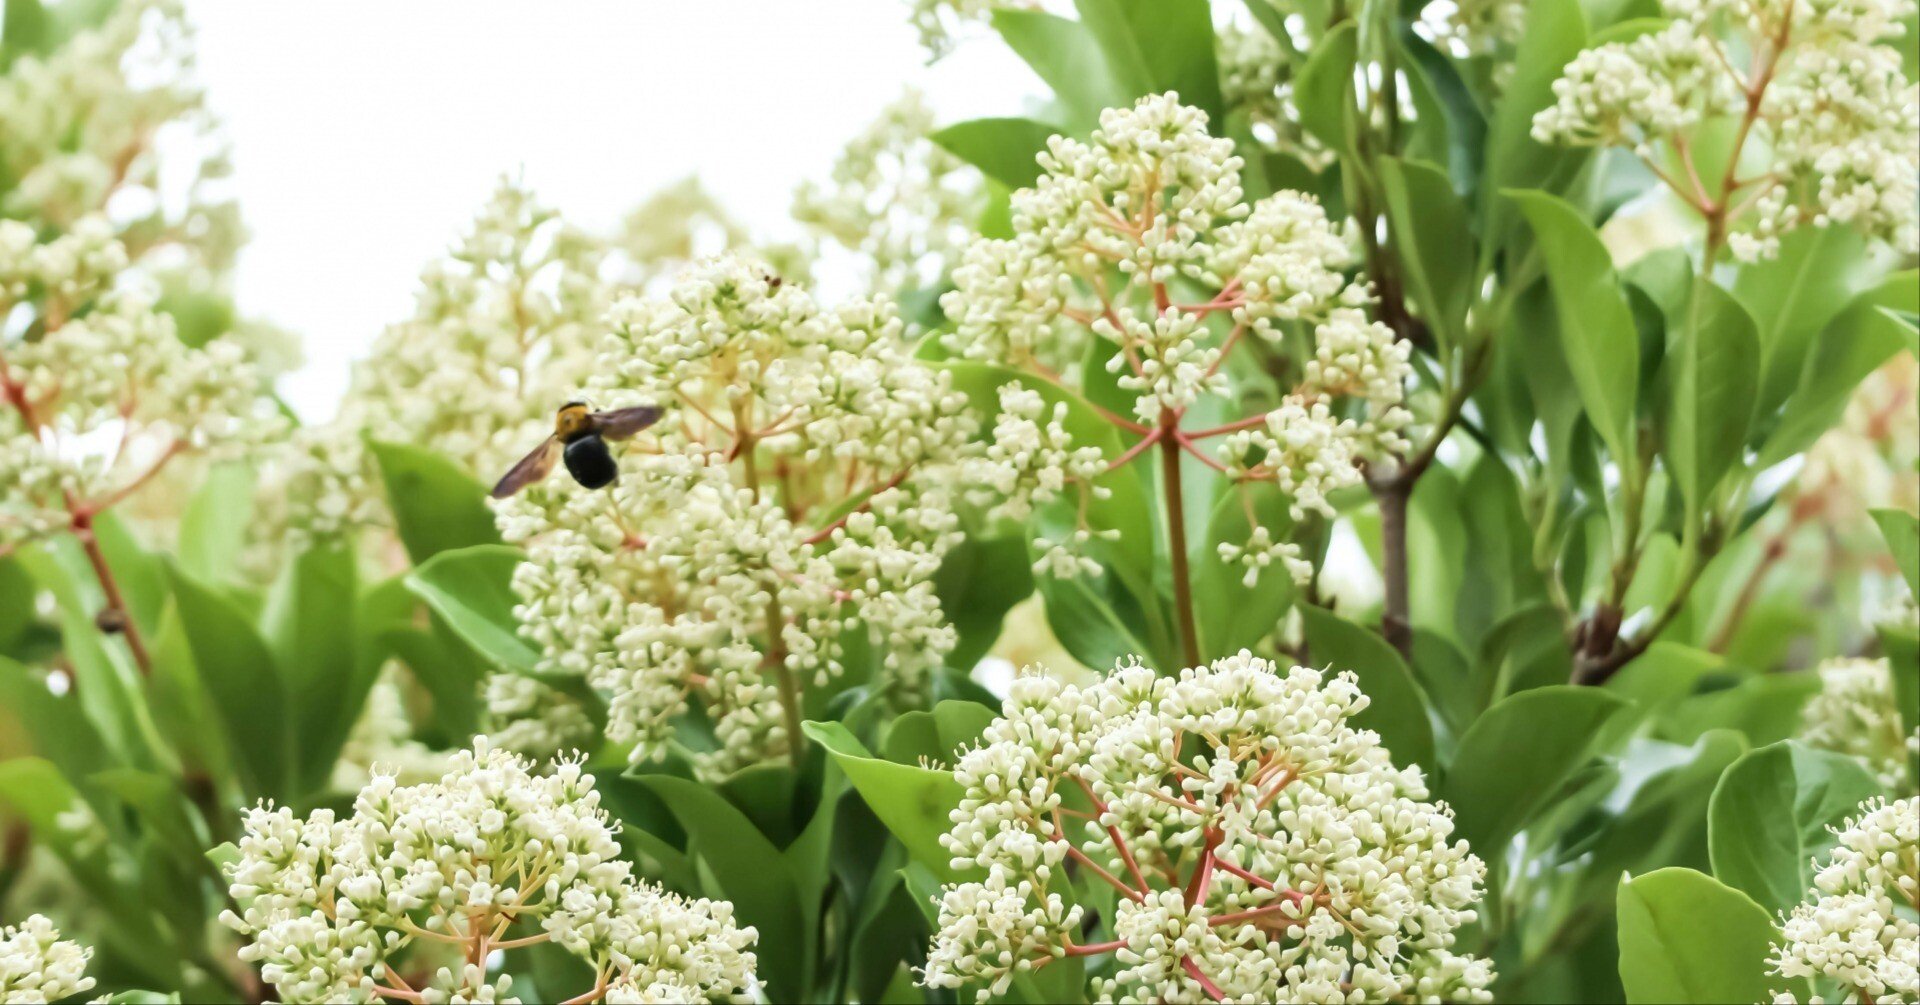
x=581, y=437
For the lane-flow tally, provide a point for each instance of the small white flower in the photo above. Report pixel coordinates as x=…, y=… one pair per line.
x=1857, y=926
x=36, y=965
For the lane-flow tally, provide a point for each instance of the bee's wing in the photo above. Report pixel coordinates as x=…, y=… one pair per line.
x=620, y=423
x=530, y=469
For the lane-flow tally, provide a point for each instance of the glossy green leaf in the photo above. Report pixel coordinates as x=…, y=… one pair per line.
x=1156, y=46
x=244, y=683
x=436, y=505
x=1067, y=57
x=1684, y=937
x=1596, y=329
x=308, y=624
x=1853, y=345
x=1395, y=707
x=1433, y=242
x=1323, y=92
x=1230, y=614
x=1795, y=294
x=1554, y=33
x=472, y=588
x=1520, y=752
x=1902, y=532
x=213, y=530
x=1003, y=148
x=911, y=800
x=979, y=581
x=1769, y=818
x=1714, y=370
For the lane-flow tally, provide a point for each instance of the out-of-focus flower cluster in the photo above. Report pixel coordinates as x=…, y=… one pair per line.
x=1857, y=926
x=491, y=857
x=99, y=393
x=1856, y=713
x=1262, y=848
x=941, y=22
x=1468, y=28
x=1256, y=79
x=797, y=496
x=1142, y=238
x=78, y=128
x=1821, y=81
x=36, y=965
x=903, y=204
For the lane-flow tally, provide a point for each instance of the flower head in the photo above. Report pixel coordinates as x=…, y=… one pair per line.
x=1856, y=713
x=1262, y=848
x=1857, y=925
x=491, y=855
x=36, y=965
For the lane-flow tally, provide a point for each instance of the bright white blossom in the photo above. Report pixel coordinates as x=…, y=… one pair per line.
x=1105, y=245
x=1857, y=926
x=37, y=966
x=798, y=496
x=445, y=872
x=1830, y=104
x=1855, y=713
x=1262, y=848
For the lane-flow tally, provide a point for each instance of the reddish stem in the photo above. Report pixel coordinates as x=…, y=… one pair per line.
x=1193, y=970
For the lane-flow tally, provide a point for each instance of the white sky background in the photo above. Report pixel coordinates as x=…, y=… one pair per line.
x=365, y=134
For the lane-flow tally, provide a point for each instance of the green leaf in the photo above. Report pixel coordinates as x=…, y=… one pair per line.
x=1902, y=531
x=1067, y=57
x=308, y=623
x=1323, y=92
x=1769, y=816
x=472, y=588
x=244, y=682
x=1795, y=294
x=1395, y=708
x=911, y=800
x=1715, y=372
x=1684, y=937
x=1520, y=752
x=1004, y=148
x=745, y=868
x=1853, y=345
x=1902, y=646
x=1555, y=32
x=1155, y=46
x=1229, y=614
x=53, y=724
x=436, y=505
x=1434, y=244
x=979, y=581
x=1596, y=328
x=213, y=530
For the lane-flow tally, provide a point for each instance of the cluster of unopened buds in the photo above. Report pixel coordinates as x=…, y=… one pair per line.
x=1857, y=928
x=1819, y=83
x=1140, y=242
x=36, y=965
x=1259, y=847
x=797, y=494
x=1856, y=712
x=413, y=896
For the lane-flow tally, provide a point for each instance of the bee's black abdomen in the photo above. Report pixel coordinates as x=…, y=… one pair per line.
x=590, y=462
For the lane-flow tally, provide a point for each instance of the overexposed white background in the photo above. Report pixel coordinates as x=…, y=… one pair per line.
x=366, y=134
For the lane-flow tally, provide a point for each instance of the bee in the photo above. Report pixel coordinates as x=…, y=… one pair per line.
x=580, y=436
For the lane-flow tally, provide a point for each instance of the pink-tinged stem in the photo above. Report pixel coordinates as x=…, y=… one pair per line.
x=1259, y=881
x=1193, y=970
x=1293, y=898
x=1096, y=948
x=1134, y=451
x=1079, y=856
x=1232, y=427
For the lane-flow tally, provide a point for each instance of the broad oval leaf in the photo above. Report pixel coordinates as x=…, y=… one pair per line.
x=1395, y=707
x=1768, y=818
x=437, y=506
x=1517, y=754
x=1684, y=937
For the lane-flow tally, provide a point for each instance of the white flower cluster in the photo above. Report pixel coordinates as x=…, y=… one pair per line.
x=1262, y=848
x=1822, y=83
x=491, y=857
x=1104, y=242
x=1468, y=28
x=315, y=486
x=1256, y=80
x=1855, y=713
x=105, y=394
x=799, y=488
x=503, y=334
x=382, y=742
x=78, y=128
x=37, y=966
x=532, y=719
x=1858, y=927
x=902, y=203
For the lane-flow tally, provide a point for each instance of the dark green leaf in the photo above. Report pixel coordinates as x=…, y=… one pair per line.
x=979, y=581
x=1714, y=372
x=1517, y=755
x=308, y=623
x=912, y=801
x=1902, y=532
x=1323, y=92
x=1067, y=57
x=472, y=588
x=1430, y=235
x=1155, y=46
x=1395, y=708
x=436, y=505
x=1230, y=614
x=214, y=527
x=244, y=682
